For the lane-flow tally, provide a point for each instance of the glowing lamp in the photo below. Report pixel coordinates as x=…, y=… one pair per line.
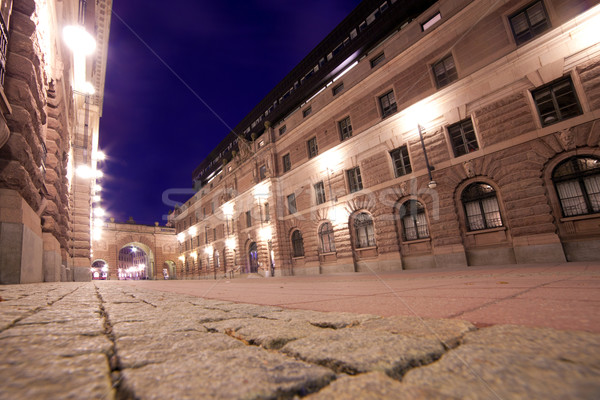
x=99, y=212
x=194, y=255
x=230, y=243
x=192, y=231
x=208, y=250
x=181, y=237
x=265, y=233
x=79, y=40
x=100, y=156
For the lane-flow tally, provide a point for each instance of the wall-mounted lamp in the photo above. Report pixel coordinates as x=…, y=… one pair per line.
x=432, y=184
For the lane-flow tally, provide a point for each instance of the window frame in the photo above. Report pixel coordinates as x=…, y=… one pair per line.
x=297, y=242
x=414, y=217
x=465, y=144
x=249, y=219
x=306, y=112
x=328, y=234
x=312, y=147
x=320, y=196
x=286, y=162
x=291, y=203
x=354, y=179
x=345, y=128
x=532, y=32
x=577, y=176
x=448, y=76
x=390, y=109
x=552, y=86
x=337, y=89
x=369, y=234
x=262, y=172
x=404, y=156
x=282, y=130
x=378, y=59
x=479, y=200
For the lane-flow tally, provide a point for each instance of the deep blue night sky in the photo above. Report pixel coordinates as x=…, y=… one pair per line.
x=154, y=129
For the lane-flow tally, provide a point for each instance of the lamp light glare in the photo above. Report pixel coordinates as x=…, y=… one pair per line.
x=100, y=155
x=87, y=88
x=181, y=237
x=99, y=212
x=208, y=250
x=230, y=243
x=79, y=40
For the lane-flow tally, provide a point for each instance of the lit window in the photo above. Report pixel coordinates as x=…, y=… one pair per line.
x=481, y=207
x=313, y=149
x=431, y=21
x=445, y=71
x=287, y=164
x=320, y=193
x=345, y=128
x=529, y=22
x=556, y=101
x=337, y=89
x=291, y=200
x=401, y=161
x=297, y=244
x=363, y=231
x=577, y=182
x=326, y=238
x=354, y=179
x=414, y=222
x=306, y=112
x=388, y=104
x=462, y=137
x=377, y=60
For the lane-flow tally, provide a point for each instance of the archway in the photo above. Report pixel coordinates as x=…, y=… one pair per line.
x=253, y=258
x=135, y=262
x=169, y=270
x=99, y=270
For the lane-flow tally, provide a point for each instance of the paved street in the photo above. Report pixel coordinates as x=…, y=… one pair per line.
x=127, y=340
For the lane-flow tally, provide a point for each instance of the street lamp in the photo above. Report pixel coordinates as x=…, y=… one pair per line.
x=432, y=184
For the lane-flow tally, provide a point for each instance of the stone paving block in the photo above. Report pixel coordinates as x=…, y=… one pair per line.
x=156, y=326
x=569, y=346
x=81, y=377
x=355, y=351
x=449, y=331
x=321, y=319
x=15, y=349
x=248, y=373
x=477, y=372
x=84, y=326
x=374, y=386
x=270, y=334
x=137, y=351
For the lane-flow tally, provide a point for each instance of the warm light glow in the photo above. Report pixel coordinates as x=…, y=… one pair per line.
x=79, y=40
x=182, y=258
x=338, y=215
x=194, y=255
x=192, y=231
x=97, y=188
x=586, y=34
x=97, y=233
x=422, y=113
x=105, y=268
x=98, y=222
x=265, y=233
x=228, y=209
x=208, y=250
x=96, y=198
x=100, y=156
x=86, y=172
x=181, y=237
x=99, y=212
x=331, y=161
x=87, y=88
x=261, y=191
x=230, y=243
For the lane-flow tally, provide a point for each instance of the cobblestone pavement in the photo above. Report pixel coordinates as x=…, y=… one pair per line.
x=106, y=340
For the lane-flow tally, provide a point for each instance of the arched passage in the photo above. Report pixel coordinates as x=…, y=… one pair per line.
x=99, y=270
x=170, y=270
x=253, y=258
x=135, y=261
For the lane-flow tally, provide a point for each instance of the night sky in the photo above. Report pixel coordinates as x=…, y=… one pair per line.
x=231, y=53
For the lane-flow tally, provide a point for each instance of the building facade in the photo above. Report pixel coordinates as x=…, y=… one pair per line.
x=427, y=134
x=133, y=251
x=52, y=71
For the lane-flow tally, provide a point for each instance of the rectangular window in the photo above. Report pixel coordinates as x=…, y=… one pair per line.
x=206, y=235
x=214, y=234
x=248, y=219
x=462, y=137
x=267, y=213
x=431, y=21
x=529, y=22
x=313, y=149
x=377, y=60
x=262, y=172
x=388, y=104
x=337, y=89
x=306, y=112
x=5, y=9
x=445, y=71
x=212, y=207
x=556, y=101
x=282, y=130
x=291, y=200
x=354, y=180
x=345, y=128
x=401, y=161
x=320, y=193
x=287, y=164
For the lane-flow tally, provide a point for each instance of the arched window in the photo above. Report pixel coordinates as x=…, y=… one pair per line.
x=414, y=223
x=297, y=244
x=326, y=238
x=363, y=231
x=481, y=206
x=577, y=182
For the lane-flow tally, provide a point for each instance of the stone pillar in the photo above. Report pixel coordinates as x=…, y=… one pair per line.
x=52, y=260
x=21, y=244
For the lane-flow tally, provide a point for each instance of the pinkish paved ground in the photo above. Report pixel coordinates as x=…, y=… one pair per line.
x=562, y=296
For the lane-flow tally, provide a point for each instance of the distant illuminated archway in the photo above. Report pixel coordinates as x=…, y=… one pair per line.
x=135, y=262
x=99, y=270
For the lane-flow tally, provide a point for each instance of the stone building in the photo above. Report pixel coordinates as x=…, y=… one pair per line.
x=133, y=251
x=418, y=134
x=52, y=70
